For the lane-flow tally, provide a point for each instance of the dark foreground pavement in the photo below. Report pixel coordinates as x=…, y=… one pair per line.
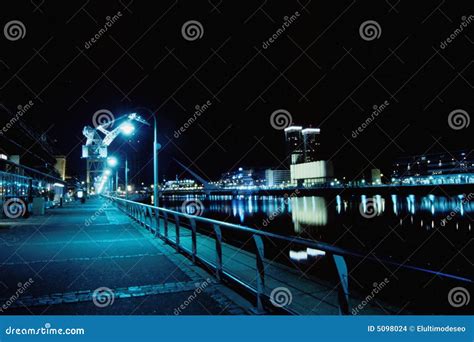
x=91, y=259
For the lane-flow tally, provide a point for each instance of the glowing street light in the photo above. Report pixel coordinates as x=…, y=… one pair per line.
x=127, y=128
x=112, y=161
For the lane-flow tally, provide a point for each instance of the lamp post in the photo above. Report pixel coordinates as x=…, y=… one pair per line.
x=113, y=162
x=126, y=177
x=156, y=147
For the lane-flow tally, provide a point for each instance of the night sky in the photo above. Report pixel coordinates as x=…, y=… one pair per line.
x=319, y=69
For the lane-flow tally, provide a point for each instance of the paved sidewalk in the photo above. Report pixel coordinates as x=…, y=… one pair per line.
x=91, y=259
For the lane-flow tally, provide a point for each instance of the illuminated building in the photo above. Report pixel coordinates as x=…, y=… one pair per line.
x=294, y=144
x=277, y=177
x=306, y=168
x=313, y=173
x=310, y=143
x=436, y=168
x=243, y=178
x=60, y=166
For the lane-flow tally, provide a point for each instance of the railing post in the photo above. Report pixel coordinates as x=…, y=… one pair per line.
x=343, y=286
x=176, y=225
x=143, y=216
x=150, y=227
x=157, y=221
x=165, y=224
x=260, y=272
x=192, y=221
x=218, y=232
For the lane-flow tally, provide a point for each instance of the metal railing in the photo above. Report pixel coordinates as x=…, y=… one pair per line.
x=149, y=216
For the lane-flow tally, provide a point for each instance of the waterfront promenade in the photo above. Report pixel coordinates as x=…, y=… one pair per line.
x=92, y=259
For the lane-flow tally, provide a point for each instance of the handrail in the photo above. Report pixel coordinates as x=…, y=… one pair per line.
x=337, y=254
x=298, y=240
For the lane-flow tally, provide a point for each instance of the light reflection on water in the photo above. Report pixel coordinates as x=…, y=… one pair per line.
x=318, y=211
x=357, y=222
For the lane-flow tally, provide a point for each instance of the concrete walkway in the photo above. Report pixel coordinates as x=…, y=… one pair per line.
x=92, y=259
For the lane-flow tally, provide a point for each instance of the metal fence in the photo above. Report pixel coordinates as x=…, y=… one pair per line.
x=149, y=216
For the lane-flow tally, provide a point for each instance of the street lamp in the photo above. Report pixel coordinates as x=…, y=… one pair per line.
x=127, y=128
x=112, y=161
x=156, y=147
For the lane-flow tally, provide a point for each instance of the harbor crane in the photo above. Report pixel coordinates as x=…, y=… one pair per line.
x=95, y=151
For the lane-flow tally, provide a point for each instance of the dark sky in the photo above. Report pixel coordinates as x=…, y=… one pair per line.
x=320, y=70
